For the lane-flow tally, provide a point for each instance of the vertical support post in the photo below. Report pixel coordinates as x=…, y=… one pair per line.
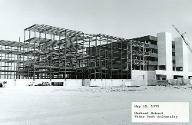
x=127, y=55
x=144, y=55
x=59, y=57
x=131, y=58
x=34, y=61
x=76, y=54
x=95, y=74
x=100, y=70
x=83, y=60
x=23, y=66
x=121, y=75
x=111, y=62
x=90, y=56
x=65, y=60
x=105, y=62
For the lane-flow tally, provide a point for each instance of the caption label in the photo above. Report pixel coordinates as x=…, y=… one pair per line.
x=160, y=112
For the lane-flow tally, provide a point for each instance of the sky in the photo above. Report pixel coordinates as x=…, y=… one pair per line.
x=122, y=18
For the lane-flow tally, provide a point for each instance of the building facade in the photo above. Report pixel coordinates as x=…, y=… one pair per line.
x=174, y=58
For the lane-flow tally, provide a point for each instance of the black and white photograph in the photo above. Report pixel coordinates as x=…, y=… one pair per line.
x=95, y=62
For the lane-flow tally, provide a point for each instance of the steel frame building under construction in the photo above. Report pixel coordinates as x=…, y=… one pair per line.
x=57, y=53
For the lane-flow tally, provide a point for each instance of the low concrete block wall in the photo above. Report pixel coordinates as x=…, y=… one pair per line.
x=73, y=83
x=69, y=83
x=115, y=82
x=24, y=82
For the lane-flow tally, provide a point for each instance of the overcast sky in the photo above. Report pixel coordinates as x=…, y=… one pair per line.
x=124, y=18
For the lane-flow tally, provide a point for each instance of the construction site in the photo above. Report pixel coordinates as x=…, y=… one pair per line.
x=57, y=53
x=49, y=52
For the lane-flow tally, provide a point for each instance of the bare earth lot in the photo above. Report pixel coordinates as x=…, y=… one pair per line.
x=82, y=106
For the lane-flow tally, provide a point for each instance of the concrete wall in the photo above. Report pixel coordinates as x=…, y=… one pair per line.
x=164, y=41
x=190, y=59
x=183, y=56
x=182, y=53
x=161, y=49
x=187, y=55
x=178, y=52
x=113, y=82
x=143, y=77
x=73, y=83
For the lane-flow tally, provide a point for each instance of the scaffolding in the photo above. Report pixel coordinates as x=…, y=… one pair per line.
x=10, y=54
x=57, y=53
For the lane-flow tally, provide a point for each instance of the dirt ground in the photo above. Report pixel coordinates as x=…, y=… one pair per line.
x=38, y=105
